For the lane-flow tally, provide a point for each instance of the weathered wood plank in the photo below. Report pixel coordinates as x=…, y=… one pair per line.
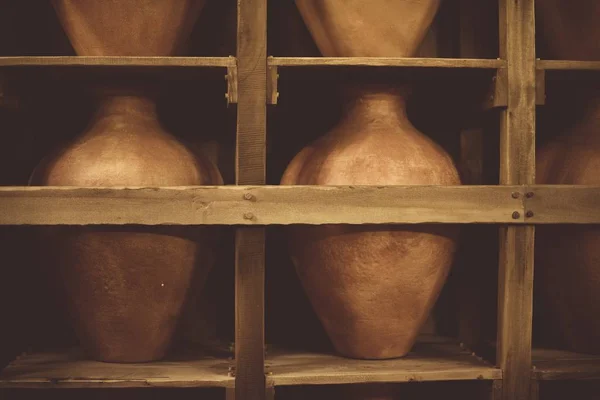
x=428, y=361
x=249, y=313
x=262, y=205
x=562, y=204
x=566, y=65
x=386, y=62
x=517, y=167
x=496, y=390
x=72, y=370
x=515, y=303
x=250, y=381
x=114, y=61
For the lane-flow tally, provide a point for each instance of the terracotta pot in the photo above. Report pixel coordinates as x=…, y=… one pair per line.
x=126, y=285
x=372, y=287
x=566, y=270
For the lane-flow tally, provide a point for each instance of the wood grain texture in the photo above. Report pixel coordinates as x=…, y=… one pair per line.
x=250, y=170
x=386, y=62
x=114, y=61
x=566, y=65
x=551, y=364
x=72, y=370
x=262, y=205
x=496, y=390
x=249, y=313
x=515, y=303
x=563, y=204
x=432, y=359
x=517, y=166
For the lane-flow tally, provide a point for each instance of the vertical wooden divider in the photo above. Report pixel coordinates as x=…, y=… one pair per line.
x=517, y=167
x=250, y=170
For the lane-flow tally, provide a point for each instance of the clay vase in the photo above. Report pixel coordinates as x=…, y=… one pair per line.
x=372, y=287
x=125, y=286
x=567, y=271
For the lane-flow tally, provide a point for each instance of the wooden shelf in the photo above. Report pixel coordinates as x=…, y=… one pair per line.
x=76, y=61
x=432, y=359
x=560, y=204
x=71, y=370
x=563, y=365
x=386, y=62
x=312, y=205
x=262, y=205
x=567, y=65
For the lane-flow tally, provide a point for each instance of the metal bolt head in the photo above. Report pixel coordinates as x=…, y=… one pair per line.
x=516, y=215
x=529, y=214
x=515, y=195
x=529, y=195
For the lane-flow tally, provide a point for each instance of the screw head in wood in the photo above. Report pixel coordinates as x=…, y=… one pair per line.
x=529, y=214
x=515, y=195
x=529, y=195
x=516, y=215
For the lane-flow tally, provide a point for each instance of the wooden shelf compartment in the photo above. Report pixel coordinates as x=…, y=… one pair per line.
x=413, y=68
x=74, y=68
x=88, y=61
x=70, y=369
x=408, y=62
x=432, y=359
x=552, y=365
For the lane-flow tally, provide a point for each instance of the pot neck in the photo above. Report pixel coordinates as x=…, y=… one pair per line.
x=129, y=105
x=374, y=103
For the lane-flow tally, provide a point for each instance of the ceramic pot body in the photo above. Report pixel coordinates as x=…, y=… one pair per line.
x=126, y=286
x=567, y=271
x=372, y=287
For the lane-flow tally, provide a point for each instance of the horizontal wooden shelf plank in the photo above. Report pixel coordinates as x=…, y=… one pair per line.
x=259, y=205
x=562, y=365
x=386, y=62
x=564, y=204
x=567, y=65
x=72, y=61
x=432, y=359
x=71, y=370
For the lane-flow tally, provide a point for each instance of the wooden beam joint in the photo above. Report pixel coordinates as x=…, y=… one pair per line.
x=232, y=83
x=272, y=84
x=498, y=93
x=540, y=87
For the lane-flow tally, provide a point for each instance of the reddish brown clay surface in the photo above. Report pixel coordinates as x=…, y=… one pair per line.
x=126, y=286
x=567, y=257
x=372, y=287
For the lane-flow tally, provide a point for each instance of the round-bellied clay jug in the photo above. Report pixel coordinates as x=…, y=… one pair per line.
x=567, y=270
x=372, y=287
x=125, y=286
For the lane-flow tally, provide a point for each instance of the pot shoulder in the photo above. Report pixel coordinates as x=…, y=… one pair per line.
x=390, y=157
x=125, y=159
